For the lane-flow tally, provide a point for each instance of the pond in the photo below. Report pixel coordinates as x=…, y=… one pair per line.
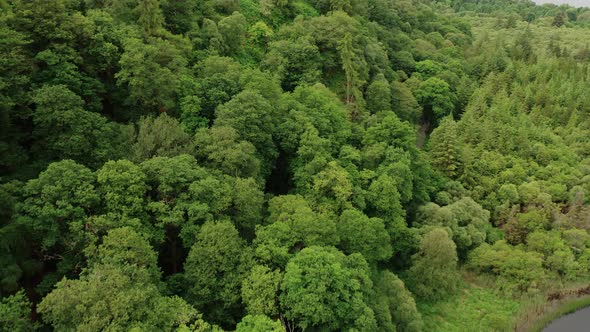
x=574, y=322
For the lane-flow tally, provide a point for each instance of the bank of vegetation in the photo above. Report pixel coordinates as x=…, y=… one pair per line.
x=270, y=165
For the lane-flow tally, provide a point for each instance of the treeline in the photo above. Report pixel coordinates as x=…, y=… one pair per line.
x=527, y=10
x=283, y=165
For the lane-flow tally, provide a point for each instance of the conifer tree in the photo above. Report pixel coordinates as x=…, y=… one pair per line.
x=353, y=94
x=150, y=16
x=445, y=151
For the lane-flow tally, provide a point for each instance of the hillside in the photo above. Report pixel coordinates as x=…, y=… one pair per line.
x=291, y=165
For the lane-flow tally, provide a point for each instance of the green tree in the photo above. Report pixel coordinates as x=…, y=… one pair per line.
x=433, y=275
x=428, y=68
x=173, y=207
x=15, y=78
x=150, y=17
x=325, y=289
x=519, y=271
x=233, y=32
x=292, y=226
x=15, y=312
x=149, y=72
x=260, y=291
x=54, y=210
x=179, y=15
x=354, y=82
x=297, y=61
x=379, y=95
x=390, y=131
x=404, y=104
x=523, y=48
x=435, y=96
x=211, y=39
x=445, y=149
x=467, y=221
x=128, y=250
x=221, y=148
x=394, y=306
x=214, y=270
x=364, y=235
x=384, y=198
x=107, y=298
x=219, y=81
x=252, y=117
x=559, y=19
x=332, y=189
x=160, y=136
x=259, y=323
x=64, y=130
x=122, y=186
x=318, y=106
x=260, y=33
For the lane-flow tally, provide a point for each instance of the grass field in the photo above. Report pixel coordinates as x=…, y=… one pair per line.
x=478, y=307
x=474, y=309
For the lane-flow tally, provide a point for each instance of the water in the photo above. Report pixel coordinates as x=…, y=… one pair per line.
x=574, y=3
x=578, y=321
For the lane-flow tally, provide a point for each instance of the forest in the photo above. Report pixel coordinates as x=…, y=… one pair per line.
x=291, y=165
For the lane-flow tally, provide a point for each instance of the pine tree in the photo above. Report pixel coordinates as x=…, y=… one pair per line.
x=347, y=55
x=150, y=15
x=445, y=151
x=353, y=93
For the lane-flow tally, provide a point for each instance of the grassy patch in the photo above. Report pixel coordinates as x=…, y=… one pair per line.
x=473, y=309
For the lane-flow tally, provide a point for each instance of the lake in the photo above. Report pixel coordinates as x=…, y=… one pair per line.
x=578, y=321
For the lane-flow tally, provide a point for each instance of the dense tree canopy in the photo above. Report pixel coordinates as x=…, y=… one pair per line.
x=289, y=165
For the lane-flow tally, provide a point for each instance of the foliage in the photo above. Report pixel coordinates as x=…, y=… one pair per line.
x=433, y=275
x=277, y=164
x=324, y=288
x=218, y=251
x=15, y=311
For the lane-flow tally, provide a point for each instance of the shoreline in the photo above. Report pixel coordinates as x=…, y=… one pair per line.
x=541, y=313
x=563, y=309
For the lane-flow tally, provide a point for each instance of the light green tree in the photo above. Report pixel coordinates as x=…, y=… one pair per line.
x=324, y=289
x=394, y=306
x=160, y=136
x=260, y=291
x=15, y=312
x=258, y=323
x=361, y=234
x=435, y=96
x=433, y=275
x=379, y=95
x=150, y=17
x=214, y=270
